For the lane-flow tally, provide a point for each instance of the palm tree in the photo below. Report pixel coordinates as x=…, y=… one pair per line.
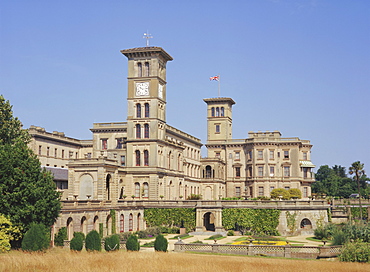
x=357, y=168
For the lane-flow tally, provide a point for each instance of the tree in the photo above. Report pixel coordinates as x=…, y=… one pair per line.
x=357, y=169
x=111, y=243
x=27, y=191
x=295, y=193
x=37, y=238
x=8, y=232
x=60, y=236
x=333, y=182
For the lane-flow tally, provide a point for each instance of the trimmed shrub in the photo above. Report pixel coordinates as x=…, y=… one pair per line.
x=295, y=193
x=76, y=243
x=132, y=243
x=60, y=236
x=37, y=238
x=93, y=241
x=111, y=243
x=81, y=234
x=355, y=252
x=276, y=193
x=160, y=243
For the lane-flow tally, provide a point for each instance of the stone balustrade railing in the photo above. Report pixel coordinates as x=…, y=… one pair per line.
x=260, y=204
x=288, y=251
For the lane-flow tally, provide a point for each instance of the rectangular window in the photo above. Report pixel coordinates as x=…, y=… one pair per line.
x=286, y=187
x=272, y=171
x=272, y=154
x=70, y=154
x=230, y=155
x=237, y=191
x=251, y=191
x=48, y=151
x=260, y=154
x=272, y=188
x=39, y=149
x=123, y=160
x=250, y=171
x=305, y=156
x=104, y=144
x=119, y=143
x=305, y=172
x=278, y=154
x=237, y=172
x=237, y=155
x=76, y=155
x=286, y=154
x=305, y=192
x=260, y=171
x=250, y=155
x=218, y=154
x=55, y=152
x=62, y=153
x=89, y=155
x=286, y=171
x=261, y=191
x=217, y=128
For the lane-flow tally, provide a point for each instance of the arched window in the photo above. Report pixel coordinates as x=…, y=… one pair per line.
x=122, y=223
x=222, y=111
x=138, y=222
x=137, y=157
x=138, y=110
x=107, y=186
x=138, y=131
x=146, y=157
x=96, y=223
x=146, y=106
x=146, y=131
x=179, y=162
x=146, y=189
x=130, y=223
x=169, y=160
x=84, y=225
x=139, y=70
x=137, y=189
x=217, y=112
x=146, y=69
x=213, y=112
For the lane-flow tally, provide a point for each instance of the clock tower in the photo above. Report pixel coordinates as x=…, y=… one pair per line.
x=146, y=109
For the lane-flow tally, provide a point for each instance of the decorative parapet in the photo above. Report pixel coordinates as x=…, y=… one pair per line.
x=288, y=251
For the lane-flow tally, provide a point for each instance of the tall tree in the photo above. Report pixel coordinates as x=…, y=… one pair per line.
x=27, y=192
x=357, y=169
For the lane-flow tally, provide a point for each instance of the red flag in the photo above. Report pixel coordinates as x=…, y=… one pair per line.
x=217, y=78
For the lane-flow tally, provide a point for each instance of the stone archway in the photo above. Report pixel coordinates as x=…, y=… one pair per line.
x=306, y=224
x=70, y=228
x=209, y=221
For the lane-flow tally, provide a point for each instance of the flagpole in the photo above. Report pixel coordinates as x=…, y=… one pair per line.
x=219, y=79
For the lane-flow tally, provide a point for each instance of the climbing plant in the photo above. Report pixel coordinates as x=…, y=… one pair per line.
x=170, y=217
x=255, y=221
x=291, y=219
x=113, y=216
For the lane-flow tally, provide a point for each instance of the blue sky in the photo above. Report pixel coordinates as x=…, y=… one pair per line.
x=298, y=66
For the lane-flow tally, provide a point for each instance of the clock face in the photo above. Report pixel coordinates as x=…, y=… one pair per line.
x=160, y=91
x=142, y=88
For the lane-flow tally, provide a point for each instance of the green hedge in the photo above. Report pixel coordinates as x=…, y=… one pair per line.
x=170, y=217
x=255, y=221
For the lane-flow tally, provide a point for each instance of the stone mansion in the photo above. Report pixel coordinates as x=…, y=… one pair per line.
x=145, y=158
x=149, y=159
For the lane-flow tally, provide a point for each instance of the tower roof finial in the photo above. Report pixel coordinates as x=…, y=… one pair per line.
x=147, y=36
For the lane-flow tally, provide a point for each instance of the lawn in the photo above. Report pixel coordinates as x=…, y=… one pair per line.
x=61, y=260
